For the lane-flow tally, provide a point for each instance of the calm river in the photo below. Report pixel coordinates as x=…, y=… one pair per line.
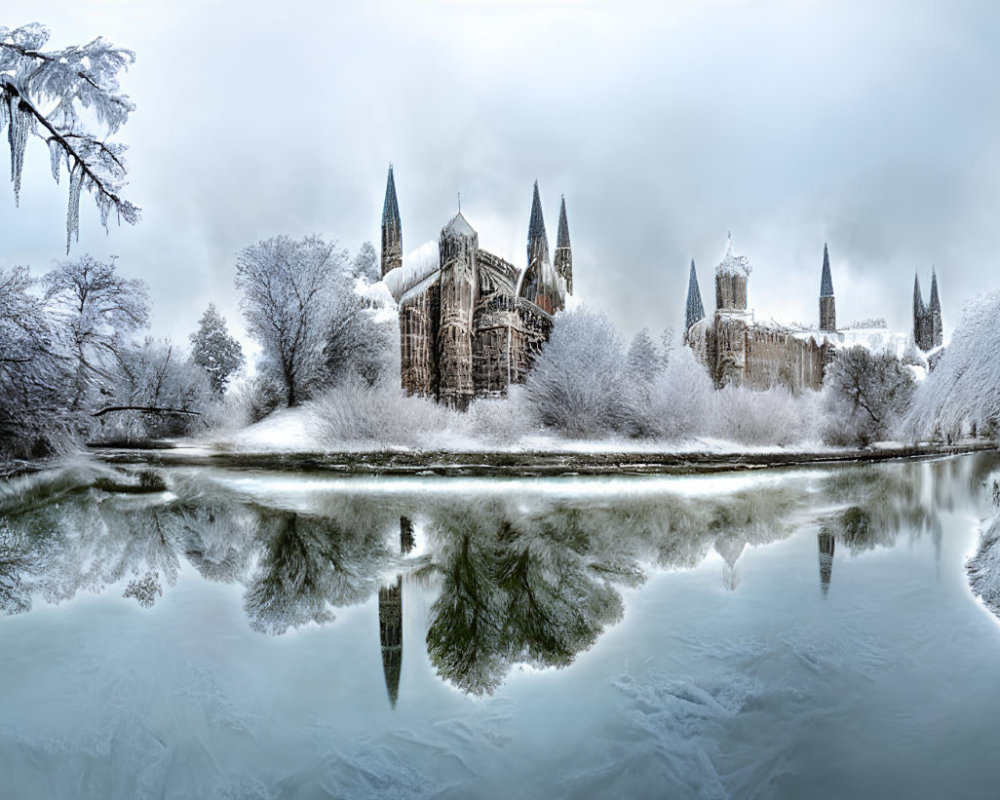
x=789, y=633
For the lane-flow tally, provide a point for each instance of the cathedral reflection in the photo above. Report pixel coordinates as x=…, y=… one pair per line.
x=390, y=618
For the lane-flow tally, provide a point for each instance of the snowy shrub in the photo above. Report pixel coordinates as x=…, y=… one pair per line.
x=356, y=413
x=865, y=396
x=680, y=398
x=575, y=385
x=771, y=417
x=962, y=393
x=500, y=422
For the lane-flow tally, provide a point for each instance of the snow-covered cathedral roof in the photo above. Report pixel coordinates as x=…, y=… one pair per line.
x=418, y=265
x=459, y=226
x=733, y=264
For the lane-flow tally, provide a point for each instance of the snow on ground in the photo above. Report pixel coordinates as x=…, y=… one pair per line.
x=295, y=431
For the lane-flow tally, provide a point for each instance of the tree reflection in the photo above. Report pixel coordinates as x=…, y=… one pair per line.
x=530, y=579
x=308, y=565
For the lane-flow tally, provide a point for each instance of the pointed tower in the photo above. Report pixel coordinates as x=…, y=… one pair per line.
x=694, y=311
x=919, y=315
x=826, y=544
x=936, y=333
x=538, y=242
x=392, y=232
x=539, y=282
x=827, y=305
x=457, y=248
x=563, y=259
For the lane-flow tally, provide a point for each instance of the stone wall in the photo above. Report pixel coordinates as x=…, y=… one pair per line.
x=738, y=352
x=418, y=323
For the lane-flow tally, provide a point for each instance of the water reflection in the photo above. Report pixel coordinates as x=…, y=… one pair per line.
x=527, y=578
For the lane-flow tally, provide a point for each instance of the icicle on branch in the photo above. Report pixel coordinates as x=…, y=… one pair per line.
x=42, y=93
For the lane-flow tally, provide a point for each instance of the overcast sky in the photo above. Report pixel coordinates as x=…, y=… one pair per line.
x=874, y=126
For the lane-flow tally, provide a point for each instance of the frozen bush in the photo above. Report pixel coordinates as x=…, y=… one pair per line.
x=771, y=417
x=575, y=385
x=680, y=398
x=501, y=422
x=356, y=413
x=865, y=396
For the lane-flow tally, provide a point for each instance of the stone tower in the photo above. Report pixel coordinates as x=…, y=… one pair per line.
x=540, y=283
x=827, y=306
x=928, y=331
x=538, y=242
x=694, y=310
x=392, y=233
x=919, y=316
x=731, y=280
x=563, y=259
x=934, y=314
x=457, y=252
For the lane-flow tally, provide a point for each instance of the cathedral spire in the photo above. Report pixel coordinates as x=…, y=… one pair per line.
x=695, y=310
x=934, y=314
x=826, y=282
x=563, y=260
x=827, y=304
x=919, y=316
x=538, y=243
x=392, y=232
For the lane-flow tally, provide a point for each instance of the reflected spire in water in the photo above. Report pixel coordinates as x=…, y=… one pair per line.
x=390, y=619
x=826, y=546
x=390, y=634
x=730, y=548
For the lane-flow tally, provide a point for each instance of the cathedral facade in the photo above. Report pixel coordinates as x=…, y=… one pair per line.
x=738, y=350
x=470, y=322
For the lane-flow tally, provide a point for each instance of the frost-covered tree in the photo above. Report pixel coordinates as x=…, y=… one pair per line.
x=643, y=365
x=96, y=309
x=865, y=396
x=575, y=385
x=154, y=391
x=34, y=377
x=214, y=350
x=961, y=394
x=286, y=289
x=42, y=94
x=365, y=264
x=300, y=304
x=354, y=343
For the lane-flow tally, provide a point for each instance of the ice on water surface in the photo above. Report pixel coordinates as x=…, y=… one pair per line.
x=253, y=635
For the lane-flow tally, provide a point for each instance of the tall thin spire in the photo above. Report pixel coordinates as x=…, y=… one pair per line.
x=538, y=242
x=563, y=259
x=392, y=231
x=934, y=314
x=826, y=282
x=695, y=310
x=827, y=304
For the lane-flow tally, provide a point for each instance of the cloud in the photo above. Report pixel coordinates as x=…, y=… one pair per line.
x=665, y=125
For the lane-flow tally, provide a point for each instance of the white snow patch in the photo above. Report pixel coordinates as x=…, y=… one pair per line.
x=417, y=265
